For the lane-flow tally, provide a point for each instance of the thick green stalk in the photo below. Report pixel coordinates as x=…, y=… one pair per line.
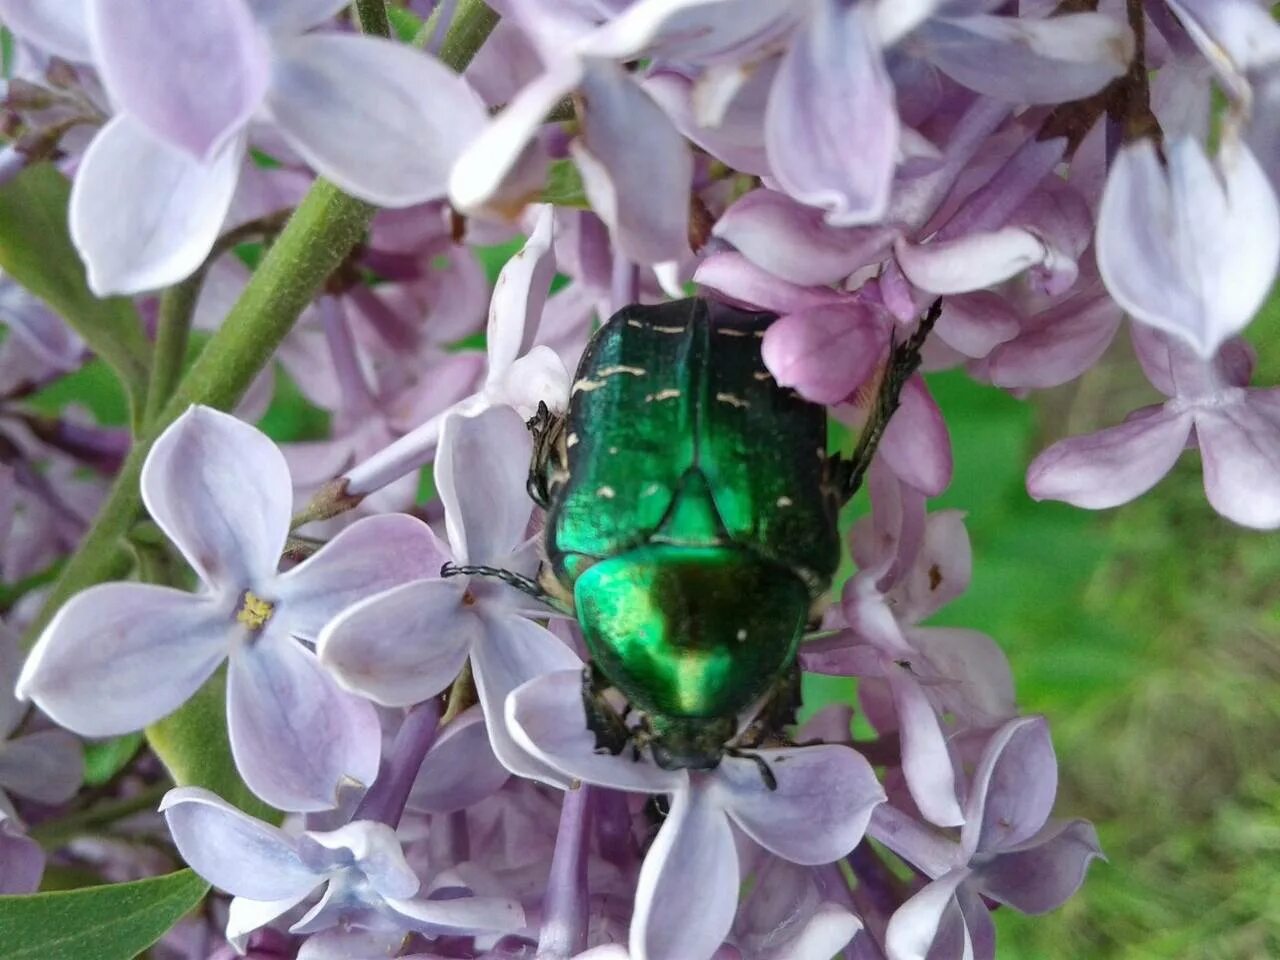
x=372, y=16
x=320, y=234
x=177, y=307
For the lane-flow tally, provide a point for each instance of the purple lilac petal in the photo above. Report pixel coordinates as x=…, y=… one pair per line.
x=353, y=107
x=737, y=137
x=1113, y=466
x=915, y=842
x=377, y=854
x=119, y=656
x=287, y=17
x=1054, y=60
x=976, y=323
x=21, y=859
x=970, y=262
x=1057, y=345
x=698, y=31
x=296, y=736
x=519, y=294
x=687, y=891
x=978, y=922
x=940, y=572
x=234, y=851
x=978, y=685
x=463, y=916
x=1234, y=35
x=368, y=557
x=926, y=760
x=402, y=646
x=191, y=74
x=245, y=915
x=347, y=942
x=59, y=26
x=176, y=206
x=643, y=195
x=46, y=766
x=1190, y=248
x=825, y=352
x=916, y=444
x=1013, y=787
x=929, y=926
x=1043, y=873
x=1240, y=452
x=741, y=281
x=510, y=652
x=832, y=80
x=481, y=470
x=545, y=716
x=221, y=491
x=460, y=770
x=818, y=812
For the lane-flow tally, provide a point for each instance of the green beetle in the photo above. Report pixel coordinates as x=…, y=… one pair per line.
x=691, y=523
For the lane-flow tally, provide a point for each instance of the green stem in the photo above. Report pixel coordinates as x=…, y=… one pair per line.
x=372, y=15
x=56, y=833
x=317, y=238
x=177, y=307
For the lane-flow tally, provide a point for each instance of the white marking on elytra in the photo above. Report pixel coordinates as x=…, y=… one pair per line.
x=762, y=375
x=607, y=492
x=613, y=449
x=784, y=501
x=659, y=329
x=669, y=394
x=650, y=490
x=742, y=635
x=732, y=332
x=586, y=385
x=571, y=440
x=622, y=368
x=732, y=400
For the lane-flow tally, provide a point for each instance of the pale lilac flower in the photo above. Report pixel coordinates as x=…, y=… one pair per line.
x=44, y=334
x=119, y=656
x=1009, y=851
x=45, y=765
x=154, y=187
x=687, y=892
x=1236, y=427
x=1189, y=246
x=910, y=565
x=369, y=889
x=461, y=768
x=408, y=643
x=21, y=859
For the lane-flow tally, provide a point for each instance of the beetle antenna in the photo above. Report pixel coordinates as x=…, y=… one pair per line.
x=766, y=774
x=512, y=579
x=904, y=360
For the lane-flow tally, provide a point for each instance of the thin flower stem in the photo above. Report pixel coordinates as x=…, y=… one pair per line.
x=317, y=238
x=386, y=799
x=56, y=833
x=372, y=15
x=564, y=924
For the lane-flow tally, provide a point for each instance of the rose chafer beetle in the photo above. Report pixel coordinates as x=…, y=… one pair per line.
x=691, y=523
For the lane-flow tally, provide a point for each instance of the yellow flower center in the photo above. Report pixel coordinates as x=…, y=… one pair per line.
x=254, y=612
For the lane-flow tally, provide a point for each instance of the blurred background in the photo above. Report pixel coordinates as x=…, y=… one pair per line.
x=1149, y=635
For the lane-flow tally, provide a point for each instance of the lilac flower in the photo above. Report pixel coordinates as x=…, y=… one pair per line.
x=687, y=891
x=1009, y=851
x=45, y=765
x=1236, y=427
x=155, y=185
x=21, y=859
x=408, y=643
x=119, y=656
x=369, y=888
x=1190, y=249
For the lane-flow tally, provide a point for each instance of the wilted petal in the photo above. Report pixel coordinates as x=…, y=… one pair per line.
x=832, y=80
x=1013, y=787
x=368, y=557
x=916, y=445
x=21, y=859
x=926, y=761
x=795, y=242
x=402, y=646
x=511, y=652
x=642, y=194
x=118, y=656
x=59, y=26
x=687, y=891
x=144, y=214
x=460, y=770
x=929, y=926
x=1025, y=60
x=191, y=74
x=460, y=917
x=1043, y=873
x=234, y=851
x=481, y=470
x=818, y=812
x=296, y=736
x=46, y=766
x=355, y=108
x=1240, y=451
x=221, y=491
x=1192, y=248
x=825, y=352
x=546, y=717
x=1113, y=466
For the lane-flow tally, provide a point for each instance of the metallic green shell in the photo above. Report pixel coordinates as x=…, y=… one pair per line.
x=690, y=514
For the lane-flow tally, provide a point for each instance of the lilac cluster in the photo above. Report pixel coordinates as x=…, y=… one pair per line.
x=1045, y=169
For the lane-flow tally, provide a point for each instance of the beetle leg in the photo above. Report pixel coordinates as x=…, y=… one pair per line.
x=611, y=732
x=511, y=579
x=766, y=774
x=904, y=360
x=548, y=431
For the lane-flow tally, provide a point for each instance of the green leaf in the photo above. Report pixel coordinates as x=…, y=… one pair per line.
x=37, y=252
x=113, y=922
x=193, y=744
x=564, y=186
x=104, y=759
